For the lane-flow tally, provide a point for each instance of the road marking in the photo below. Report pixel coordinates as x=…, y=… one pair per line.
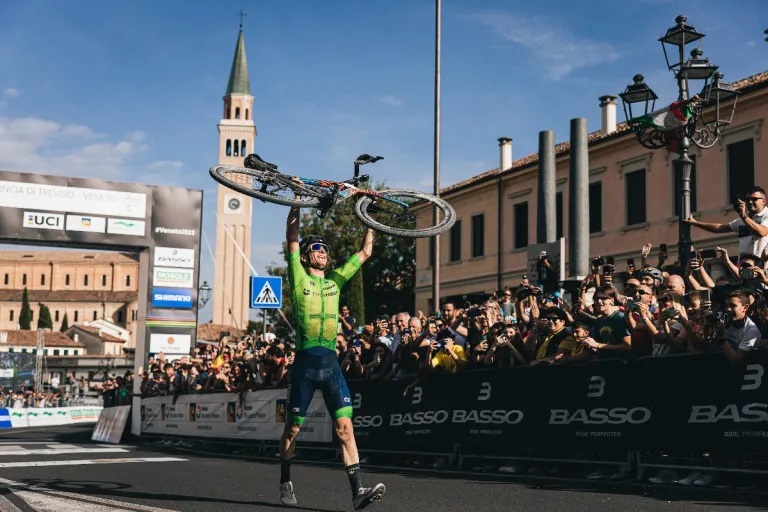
x=7, y=506
x=56, y=451
x=43, y=499
x=10, y=447
x=85, y=462
x=59, y=446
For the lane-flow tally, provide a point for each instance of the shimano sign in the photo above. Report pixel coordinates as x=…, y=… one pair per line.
x=172, y=298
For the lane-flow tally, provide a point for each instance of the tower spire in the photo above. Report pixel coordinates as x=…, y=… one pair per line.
x=239, y=82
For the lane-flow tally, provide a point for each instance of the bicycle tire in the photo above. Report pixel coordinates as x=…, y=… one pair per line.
x=250, y=181
x=447, y=221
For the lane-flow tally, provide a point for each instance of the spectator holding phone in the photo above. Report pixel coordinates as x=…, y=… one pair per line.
x=751, y=226
x=445, y=355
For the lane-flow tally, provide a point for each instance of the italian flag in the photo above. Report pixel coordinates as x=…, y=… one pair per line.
x=669, y=118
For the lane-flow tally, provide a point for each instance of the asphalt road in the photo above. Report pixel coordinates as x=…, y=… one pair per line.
x=58, y=469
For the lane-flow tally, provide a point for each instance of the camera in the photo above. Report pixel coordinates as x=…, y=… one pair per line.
x=608, y=268
x=598, y=262
x=407, y=330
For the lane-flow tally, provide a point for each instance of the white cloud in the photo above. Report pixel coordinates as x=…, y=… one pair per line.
x=164, y=165
x=558, y=51
x=11, y=93
x=392, y=101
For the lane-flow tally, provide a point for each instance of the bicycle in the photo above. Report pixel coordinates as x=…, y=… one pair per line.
x=388, y=211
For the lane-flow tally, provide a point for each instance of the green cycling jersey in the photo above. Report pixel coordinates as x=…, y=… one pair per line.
x=316, y=301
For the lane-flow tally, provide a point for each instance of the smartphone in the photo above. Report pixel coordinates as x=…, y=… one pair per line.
x=706, y=296
x=630, y=262
x=706, y=254
x=663, y=248
x=608, y=269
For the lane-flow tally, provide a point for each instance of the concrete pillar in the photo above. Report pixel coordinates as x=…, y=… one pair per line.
x=546, y=222
x=578, y=195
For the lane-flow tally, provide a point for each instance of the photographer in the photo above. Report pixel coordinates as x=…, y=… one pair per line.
x=547, y=278
x=507, y=347
x=444, y=355
x=351, y=365
x=381, y=367
x=751, y=226
x=556, y=342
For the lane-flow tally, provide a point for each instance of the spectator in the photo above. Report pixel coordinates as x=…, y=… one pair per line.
x=381, y=366
x=554, y=341
x=347, y=321
x=609, y=335
x=444, y=355
x=507, y=306
x=741, y=335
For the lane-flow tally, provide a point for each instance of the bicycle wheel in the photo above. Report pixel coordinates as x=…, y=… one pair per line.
x=394, y=219
x=268, y=186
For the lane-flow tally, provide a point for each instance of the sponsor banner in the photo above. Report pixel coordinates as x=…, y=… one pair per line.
x=702, y=400
x=371, y=421
x=5, y=419
x=161, y=230
x=86, y=223
x=185, y=320
x=111, y=424
x=56, y=198
x=261, y=416
x=41, y=417
x=130, y=227
x=170, y=343
x=173, y=277
x=6, y=373
x=172, y=298
x=18, y=418
x=43, y=220
x=174, y=257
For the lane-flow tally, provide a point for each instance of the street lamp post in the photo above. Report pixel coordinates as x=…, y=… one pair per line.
x=699, y=119
x=203, y=295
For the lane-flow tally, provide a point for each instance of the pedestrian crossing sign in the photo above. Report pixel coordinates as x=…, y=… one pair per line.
x=266, y=292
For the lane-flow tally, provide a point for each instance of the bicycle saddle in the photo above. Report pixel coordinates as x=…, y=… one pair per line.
x=365, y=158
x=254, y=161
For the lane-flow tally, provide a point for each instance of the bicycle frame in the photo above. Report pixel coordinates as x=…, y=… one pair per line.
x=350, y=188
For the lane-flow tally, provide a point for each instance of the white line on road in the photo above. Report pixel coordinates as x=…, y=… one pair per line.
x=84, y=462
x=7, y=506
x=65, y=451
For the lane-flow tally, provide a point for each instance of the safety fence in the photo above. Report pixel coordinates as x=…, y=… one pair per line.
x=47, y=416
x=646, y=412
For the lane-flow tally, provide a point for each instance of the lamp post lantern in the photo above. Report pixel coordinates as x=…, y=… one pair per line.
x=700, y=118
x=203, y=294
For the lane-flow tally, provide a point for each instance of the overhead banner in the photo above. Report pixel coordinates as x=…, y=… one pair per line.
x=89, y=213
x=261, y=416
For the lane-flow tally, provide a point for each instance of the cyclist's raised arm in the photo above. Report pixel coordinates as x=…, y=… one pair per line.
x=367, y=250
x=292, y=230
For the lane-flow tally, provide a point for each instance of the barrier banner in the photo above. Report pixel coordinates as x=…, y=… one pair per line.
x=18, y=418
x=491, y=411
x=260, y=416
x=702, y=400
x=5, y=419
x=589, y=404
x=111, y=424
x=371, y=421
x=84, y=413
x=420, y=421
x=42, y=417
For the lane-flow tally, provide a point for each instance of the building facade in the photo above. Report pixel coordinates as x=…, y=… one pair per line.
x=84, y=286
x=633, y=199
x=237, y=133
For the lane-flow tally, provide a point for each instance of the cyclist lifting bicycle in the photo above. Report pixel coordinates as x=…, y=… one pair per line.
x=315, y=295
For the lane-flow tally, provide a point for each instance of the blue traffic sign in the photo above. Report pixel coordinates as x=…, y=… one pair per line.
x=266, y=292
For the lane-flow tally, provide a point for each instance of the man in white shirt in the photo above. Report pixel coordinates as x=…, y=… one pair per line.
x=751, y=226
x=55, y=383
x=742, y=334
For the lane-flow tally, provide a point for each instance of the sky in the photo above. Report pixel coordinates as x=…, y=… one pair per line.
x=132, y=90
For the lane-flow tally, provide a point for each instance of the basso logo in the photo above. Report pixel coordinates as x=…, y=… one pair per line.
x=368, y=421
x=749, y=413
x=38, y=220
x=600, y=416
x=488, y=416
x=418, y=418
x=175, y=231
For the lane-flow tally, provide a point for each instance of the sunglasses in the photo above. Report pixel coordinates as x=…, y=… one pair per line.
x=642, y=292
x=754, y=199
x=319, y=247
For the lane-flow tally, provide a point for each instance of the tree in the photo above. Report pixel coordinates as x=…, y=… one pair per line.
x=44, y=320
x=25, y=316
x=64, y=323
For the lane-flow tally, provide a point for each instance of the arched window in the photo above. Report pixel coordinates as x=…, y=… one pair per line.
x=42, y=280
x=66, y=280
x=11, y=316
x=236, y=153
x=76, y=315
x=85, y=280
x=24, y=279
x=95, y=315
x=237, y=112
x=56, y=316
x=229, y=147
x=246, y=114
x=242, y=147
x=104, y=280
x=6, y=279
x=127, y=280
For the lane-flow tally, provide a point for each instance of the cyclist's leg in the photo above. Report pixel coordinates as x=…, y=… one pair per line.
x=300, y=393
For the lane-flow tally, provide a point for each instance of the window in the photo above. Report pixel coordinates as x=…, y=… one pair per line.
x=6, y=279
x=559, y=214
x=237, y=112
x=11, y=350
x=741, y=168
x=66, y=280
x=23, y=351
x=478, y=235
x=24, y=279
x=596, y=207
x=104, y=280
x=127, y=280
x=75, y=351
x=635, y=193
x=95, y=315
x=237, y=144
x=56, y=351
x=455, y=240
x=133, y=315
x=520, y=214
x=229, y=147
x=42, y=280
x=229, y=112
x=242, y=147
x=85, y=280
x=56, y=316
x=247, y=114
x=31, y=315
x=119, y=316
x=12, y=312
x=678, y=174
x=66, y=352
x=76, y=316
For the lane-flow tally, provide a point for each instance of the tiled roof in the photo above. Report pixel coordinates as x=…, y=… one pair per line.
x=68, y=257
x=49, y=296
x=745, y=85
x=29, y=339
x=212, y=332
x=95, y=332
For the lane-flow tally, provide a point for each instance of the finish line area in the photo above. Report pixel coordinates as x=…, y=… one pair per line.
x=59, y=469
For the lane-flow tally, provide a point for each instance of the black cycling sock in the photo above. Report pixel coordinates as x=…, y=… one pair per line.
x=355, y=479
x=285, y=470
